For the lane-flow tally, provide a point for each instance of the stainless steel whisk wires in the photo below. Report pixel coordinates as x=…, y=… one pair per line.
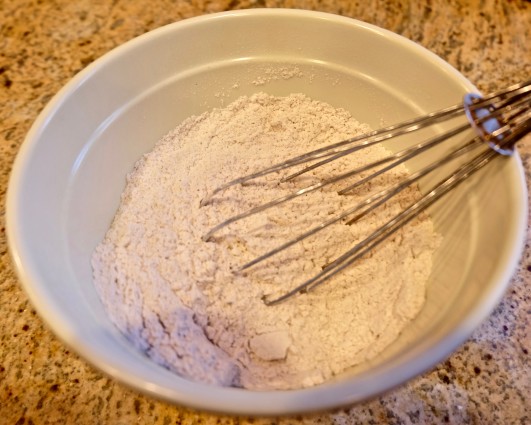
x=499, y=119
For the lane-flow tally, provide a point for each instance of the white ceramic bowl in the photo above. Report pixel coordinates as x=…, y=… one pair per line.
x=69, y=174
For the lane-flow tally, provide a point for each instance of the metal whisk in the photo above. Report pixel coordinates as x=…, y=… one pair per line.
x=499, y=119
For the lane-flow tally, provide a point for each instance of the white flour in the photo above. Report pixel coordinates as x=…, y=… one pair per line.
x=176, y=297
x=281, y=73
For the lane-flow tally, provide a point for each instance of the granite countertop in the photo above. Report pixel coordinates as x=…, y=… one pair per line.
x=43, y=43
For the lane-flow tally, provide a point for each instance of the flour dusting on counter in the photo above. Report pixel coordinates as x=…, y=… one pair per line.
x=178, y=299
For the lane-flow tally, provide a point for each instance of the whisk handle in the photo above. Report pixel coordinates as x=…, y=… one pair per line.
x=502, y=118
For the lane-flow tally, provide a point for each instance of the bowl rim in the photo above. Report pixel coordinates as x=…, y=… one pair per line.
x=231, y=400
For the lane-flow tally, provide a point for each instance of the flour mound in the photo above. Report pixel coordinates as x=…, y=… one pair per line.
x=179, y=299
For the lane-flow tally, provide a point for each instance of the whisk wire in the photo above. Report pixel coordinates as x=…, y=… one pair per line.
x=364, y=140
x=397, y=159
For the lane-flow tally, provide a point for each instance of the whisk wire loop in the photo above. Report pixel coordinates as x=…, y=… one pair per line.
x=371, y=202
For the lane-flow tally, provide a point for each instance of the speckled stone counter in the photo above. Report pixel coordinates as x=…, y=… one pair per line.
x=43, y=43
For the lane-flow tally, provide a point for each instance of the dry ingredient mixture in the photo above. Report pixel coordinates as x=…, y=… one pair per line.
x=179, y=299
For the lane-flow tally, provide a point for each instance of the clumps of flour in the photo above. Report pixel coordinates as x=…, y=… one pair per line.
x=182, y=302
x=277, y=73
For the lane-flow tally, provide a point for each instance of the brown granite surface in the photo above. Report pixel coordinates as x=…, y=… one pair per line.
x=43, y=43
